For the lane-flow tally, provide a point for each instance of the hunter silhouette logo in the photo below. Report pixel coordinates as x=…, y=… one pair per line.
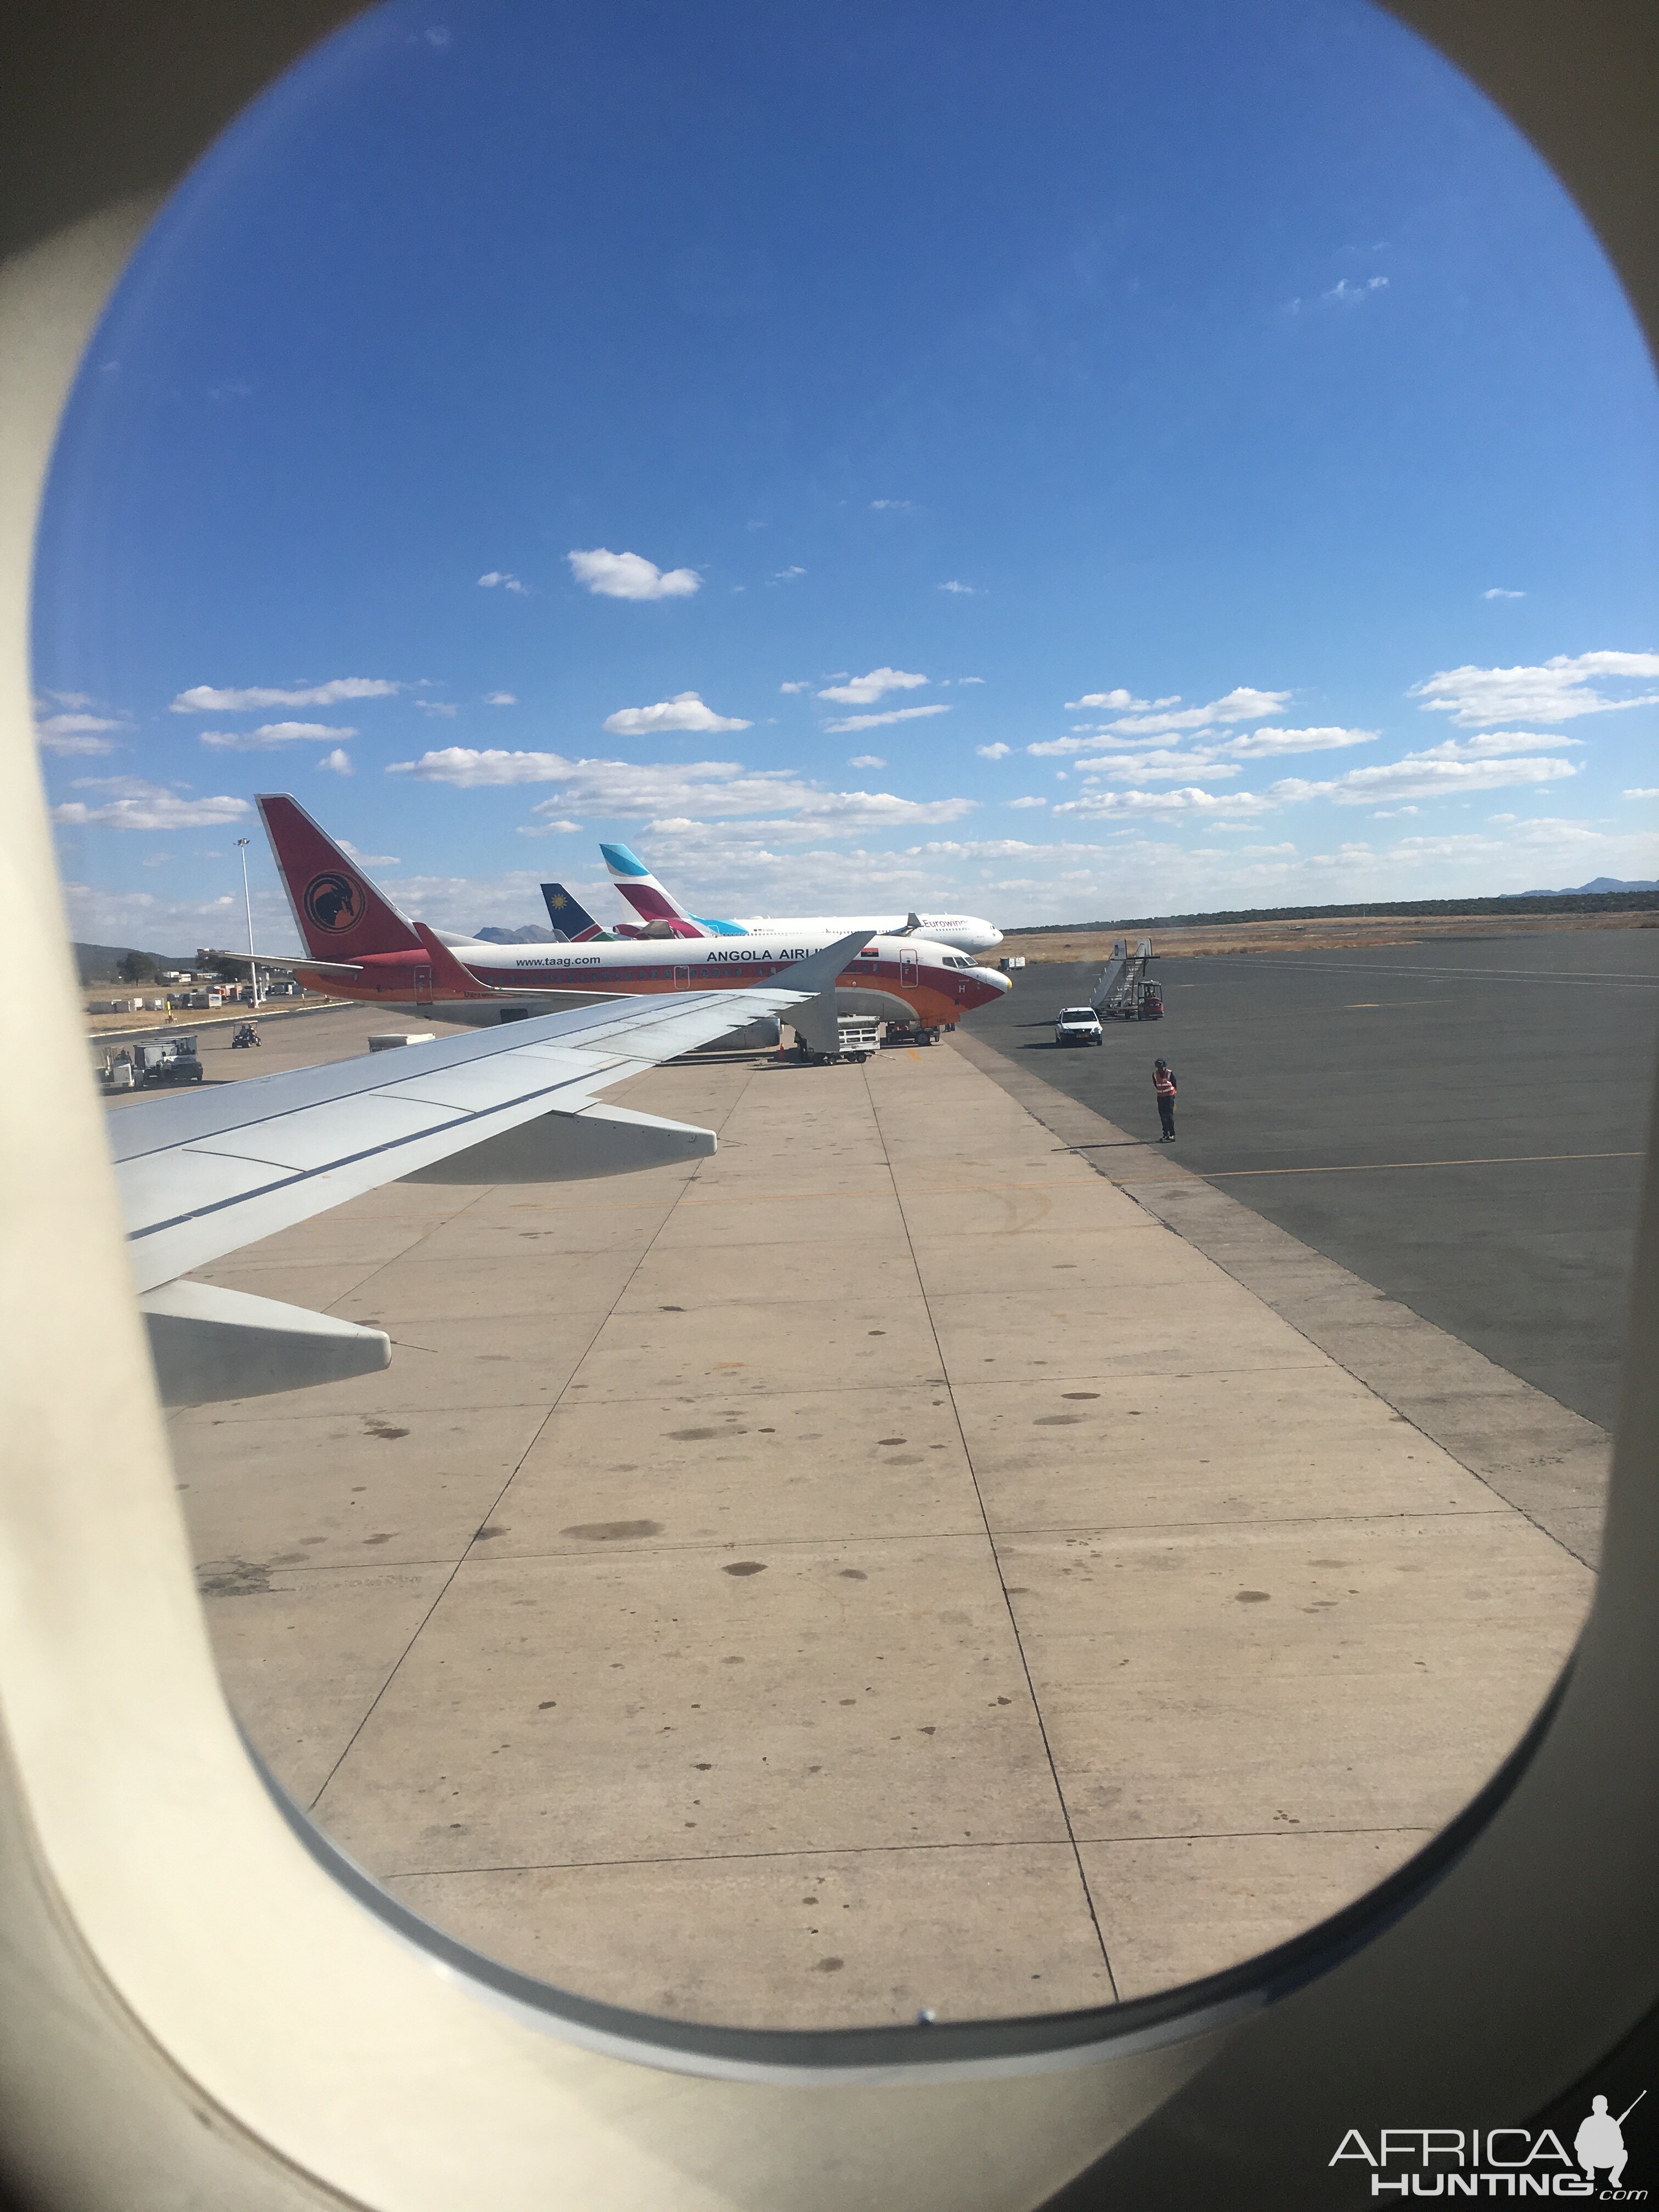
x=1493, y=2161
x=331, y=902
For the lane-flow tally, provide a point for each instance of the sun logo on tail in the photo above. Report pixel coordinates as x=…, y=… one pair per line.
x=331, y=901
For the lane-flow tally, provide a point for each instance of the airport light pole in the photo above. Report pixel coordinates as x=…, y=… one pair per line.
x=247, y=902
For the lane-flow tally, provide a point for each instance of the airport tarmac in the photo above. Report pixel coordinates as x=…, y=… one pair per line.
x=1460, y=1123
x=887, y=1566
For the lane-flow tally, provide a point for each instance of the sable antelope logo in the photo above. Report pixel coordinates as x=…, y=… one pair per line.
x=331, y=902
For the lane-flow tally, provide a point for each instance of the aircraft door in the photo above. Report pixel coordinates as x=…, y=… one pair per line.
x=681, y=979
x=423, y=986
x=910, y=971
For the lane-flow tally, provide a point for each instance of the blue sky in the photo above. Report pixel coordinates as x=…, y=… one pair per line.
x=1066, y=460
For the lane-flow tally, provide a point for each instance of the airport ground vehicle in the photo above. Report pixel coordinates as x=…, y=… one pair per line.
x=173, y=1060
x=857, y=1038
x=897, y=1033
x=1077, y=1025
x=246, y=1034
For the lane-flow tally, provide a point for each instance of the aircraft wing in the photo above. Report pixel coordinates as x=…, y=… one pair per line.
x=203, y=1173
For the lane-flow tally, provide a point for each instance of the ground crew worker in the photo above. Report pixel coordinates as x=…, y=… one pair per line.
x=1163, y=1083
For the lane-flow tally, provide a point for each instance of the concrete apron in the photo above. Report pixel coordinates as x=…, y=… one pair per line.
x=883, y=1568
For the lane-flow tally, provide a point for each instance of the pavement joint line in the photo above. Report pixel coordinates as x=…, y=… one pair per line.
x=880, y=1851
x=1093, y=1531
x=1002, y=1579
x=449, y=1581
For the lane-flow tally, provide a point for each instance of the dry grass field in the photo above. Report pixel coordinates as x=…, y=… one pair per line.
x=1092, y=944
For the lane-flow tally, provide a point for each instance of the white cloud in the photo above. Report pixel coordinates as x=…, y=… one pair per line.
x=787, y=576
x=1498, y=744
x=134, y=805
x=1498, y=592
x=368, y=860
x=1119, y=699
x=507, y=583
x=1028, y=802
x=1053, y=747
x=1188, y=802
x=271, y=733
x=997, y=751
x=631, y=576
x=1264, y=745
x=500, y=699
x=1159, y=765
x=1446, y=771
x=1647, y=790
x=675, y=790
x=444, y=707
x=866, y=760
x=970, y=679
x=1241, y=705
x=1558, y=691
x=865, y=691
x=205, y=699
x=338, y=763
x=875, y=721
x=791, y=688
x=1347, y=296
x=961, y=591
x=556, y=828
x=76, y=734
x=892, y=506
x=684, y=711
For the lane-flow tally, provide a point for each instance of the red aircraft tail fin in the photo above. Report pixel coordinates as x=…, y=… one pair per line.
x=338, y=913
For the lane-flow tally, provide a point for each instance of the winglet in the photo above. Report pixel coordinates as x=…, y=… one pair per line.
x=456, y=980
x=818, y=971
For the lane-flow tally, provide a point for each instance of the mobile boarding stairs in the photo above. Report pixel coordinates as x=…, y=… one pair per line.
x=1128, y=991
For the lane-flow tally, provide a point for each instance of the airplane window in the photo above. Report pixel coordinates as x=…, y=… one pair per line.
x=801, y=1527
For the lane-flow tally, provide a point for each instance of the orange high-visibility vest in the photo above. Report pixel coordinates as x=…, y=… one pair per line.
x=1165, y=1085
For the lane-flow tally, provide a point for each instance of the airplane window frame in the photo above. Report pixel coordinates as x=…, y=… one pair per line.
x=150, y=1863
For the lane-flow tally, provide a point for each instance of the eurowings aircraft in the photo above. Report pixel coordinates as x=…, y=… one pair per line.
x=203, y=1175
x=663, y=914
x=358, y=946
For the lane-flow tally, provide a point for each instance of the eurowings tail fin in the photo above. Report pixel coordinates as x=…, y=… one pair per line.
x=338, y=911
x=646, y=895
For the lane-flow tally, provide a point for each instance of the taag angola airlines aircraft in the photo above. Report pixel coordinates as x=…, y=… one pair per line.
x=358, y=946
x=663, y=915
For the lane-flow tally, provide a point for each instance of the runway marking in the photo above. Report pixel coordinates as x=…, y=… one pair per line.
x=1383, y=1167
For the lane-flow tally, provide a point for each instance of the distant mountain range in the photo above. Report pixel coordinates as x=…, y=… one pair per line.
x=1597, y=883
x=529, y=935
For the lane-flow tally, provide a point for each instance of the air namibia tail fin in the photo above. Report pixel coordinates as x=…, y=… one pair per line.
x=646, y=895
x=569, y=917
x=339, y=913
